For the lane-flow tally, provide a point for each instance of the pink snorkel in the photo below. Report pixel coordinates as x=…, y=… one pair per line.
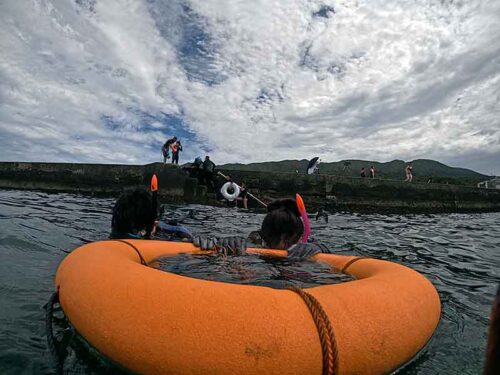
x=303, y=214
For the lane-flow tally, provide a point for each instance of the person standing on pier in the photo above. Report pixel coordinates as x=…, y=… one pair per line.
x=409, y=172
x=372, y=172
x=176, y=148
x=208, y=173
x=166, y=149
x=243, y=196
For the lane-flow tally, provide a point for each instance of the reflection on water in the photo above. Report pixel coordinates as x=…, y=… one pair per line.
x=252, y=270
x=459, y=253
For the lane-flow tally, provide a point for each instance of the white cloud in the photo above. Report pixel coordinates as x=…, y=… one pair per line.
x=108, y=81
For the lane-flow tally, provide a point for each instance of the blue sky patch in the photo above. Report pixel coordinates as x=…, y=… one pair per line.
x=148, y=122
x=325, y=11
x=185, y=29
x=197, y=52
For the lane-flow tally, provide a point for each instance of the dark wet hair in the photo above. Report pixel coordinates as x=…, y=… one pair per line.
x=133, y=212
x=282, y=227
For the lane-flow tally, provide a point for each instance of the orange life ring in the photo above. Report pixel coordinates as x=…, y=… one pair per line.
x=154, y=322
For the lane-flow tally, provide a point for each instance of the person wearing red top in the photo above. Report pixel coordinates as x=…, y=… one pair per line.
x=176, y=148
x=166, y=148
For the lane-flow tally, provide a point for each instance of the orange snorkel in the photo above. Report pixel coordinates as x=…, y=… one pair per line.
x=305, y=219
x=154, y=183
x=154, y=193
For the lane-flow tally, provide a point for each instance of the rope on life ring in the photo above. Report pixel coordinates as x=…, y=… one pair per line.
x=225, y=193
x=325, y=332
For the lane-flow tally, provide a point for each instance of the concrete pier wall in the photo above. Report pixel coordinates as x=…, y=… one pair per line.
x=332, y=192
x=366, y=194
x=96, y=178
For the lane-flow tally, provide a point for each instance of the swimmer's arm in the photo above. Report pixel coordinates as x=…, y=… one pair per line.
x=307, y=250
x=232, y=245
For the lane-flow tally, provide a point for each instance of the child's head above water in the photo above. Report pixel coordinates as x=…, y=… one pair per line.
x=282, y=227
x=133, y=213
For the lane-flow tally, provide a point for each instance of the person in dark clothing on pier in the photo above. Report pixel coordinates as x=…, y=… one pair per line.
x=195, y=170
x=166, y=148
x=198, y=163
x=209, y=173
x=243, y=197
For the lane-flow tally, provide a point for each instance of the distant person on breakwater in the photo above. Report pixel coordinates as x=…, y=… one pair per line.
x=372, y=172
x=243, y=196
x=209, y=174
x=176, y=148
x=195, y=170
x=409, y=172
x=166, y=148
x=198, y=163
x=362, y=173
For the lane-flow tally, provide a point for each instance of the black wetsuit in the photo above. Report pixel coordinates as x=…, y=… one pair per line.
x=166, y=147
x=243, y=193
x=196, y=170
x=208, y=173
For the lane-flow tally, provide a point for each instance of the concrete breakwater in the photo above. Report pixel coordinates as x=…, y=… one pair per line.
x=328, y=191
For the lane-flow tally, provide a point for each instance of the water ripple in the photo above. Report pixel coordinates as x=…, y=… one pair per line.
x=459, y=253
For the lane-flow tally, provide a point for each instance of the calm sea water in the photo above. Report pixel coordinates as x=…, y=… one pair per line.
x=252, y=270
x=459, y=253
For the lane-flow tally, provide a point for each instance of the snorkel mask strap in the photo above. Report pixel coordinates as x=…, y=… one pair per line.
x=305, y=219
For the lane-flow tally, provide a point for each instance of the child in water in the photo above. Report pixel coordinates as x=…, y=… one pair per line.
x=135, y=217
x=282, y=229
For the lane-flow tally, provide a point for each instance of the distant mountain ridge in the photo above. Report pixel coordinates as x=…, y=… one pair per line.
x=393, y=169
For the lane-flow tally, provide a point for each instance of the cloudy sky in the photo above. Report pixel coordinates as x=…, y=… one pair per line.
x=109, y=81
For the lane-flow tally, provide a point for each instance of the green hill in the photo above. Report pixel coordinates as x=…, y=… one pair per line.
x=423, y=170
